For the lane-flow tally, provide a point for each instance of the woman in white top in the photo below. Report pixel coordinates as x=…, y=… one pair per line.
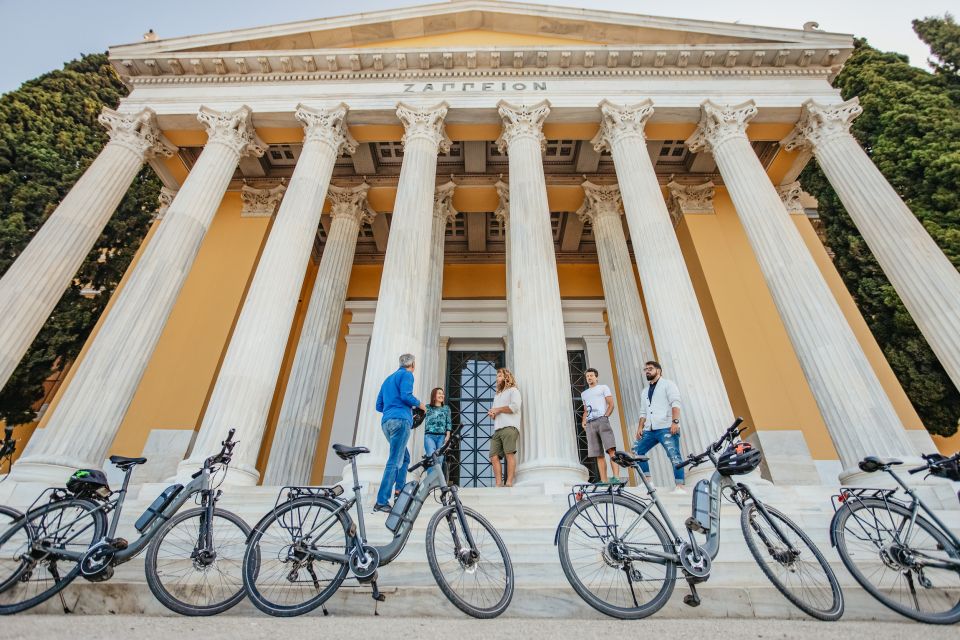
x=505, y=413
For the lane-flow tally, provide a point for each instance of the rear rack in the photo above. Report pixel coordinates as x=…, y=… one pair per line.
x=290, y=492
x=53, y=494
x=861, y=493
x=583, y=491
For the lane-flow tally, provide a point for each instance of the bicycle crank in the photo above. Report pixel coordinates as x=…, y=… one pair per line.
x=364, y=562
x=695, y=562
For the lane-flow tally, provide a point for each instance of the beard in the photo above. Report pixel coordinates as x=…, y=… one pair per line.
x=651, y=376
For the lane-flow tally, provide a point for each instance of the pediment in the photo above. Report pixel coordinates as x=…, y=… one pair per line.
x=459, y=26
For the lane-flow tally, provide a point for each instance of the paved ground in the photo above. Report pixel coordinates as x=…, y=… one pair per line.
x=357, y=627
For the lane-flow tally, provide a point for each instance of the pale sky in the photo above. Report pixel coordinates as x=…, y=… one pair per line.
x=40, y=35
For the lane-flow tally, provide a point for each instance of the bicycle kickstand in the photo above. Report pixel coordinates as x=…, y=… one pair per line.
x=377, y=597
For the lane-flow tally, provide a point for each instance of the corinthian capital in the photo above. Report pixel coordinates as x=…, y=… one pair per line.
x=599, y=200
x=350, y=202
x=502, y=212
x=137, y=132
x=164, y=200
x=721, y=123
x=328, y=126
x=233, y=129
x=260, y=203
x=791, y=195
x=443, y=201
x=522, y=122
x=425, y=123
x=819, y=123
x=621, y=122
x=690, y=198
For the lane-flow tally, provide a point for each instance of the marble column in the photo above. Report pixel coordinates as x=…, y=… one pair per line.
x=683, y=345
x=855, y=408
x=548, y=445
x=34, y=283
x=248, y=375
x=398, y=326
x=502, y=214
x=85, y=421
x=298, y=428
x=925, y=279
x=429, y=372
x=625, y=317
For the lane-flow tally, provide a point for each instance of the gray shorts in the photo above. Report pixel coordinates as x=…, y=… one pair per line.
x=600, y=437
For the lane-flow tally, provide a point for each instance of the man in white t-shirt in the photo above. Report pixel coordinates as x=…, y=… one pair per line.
x=597, y=407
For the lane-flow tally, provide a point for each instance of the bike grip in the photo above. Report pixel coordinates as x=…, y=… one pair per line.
x=917, y=470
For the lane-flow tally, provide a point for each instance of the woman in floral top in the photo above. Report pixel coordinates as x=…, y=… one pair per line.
x=436, y=425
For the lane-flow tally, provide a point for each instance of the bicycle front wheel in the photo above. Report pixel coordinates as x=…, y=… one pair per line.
x=792, y=562
x=602, y=542
x=478, y=580
x=33, y=566
x=912, y=569
x=282, y=577
x=189, y=577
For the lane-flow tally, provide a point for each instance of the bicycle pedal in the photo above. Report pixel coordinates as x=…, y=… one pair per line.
x=119, y=544
x=691, y=600
x=694, y=525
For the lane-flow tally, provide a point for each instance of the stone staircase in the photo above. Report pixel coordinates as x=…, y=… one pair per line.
x=527, y=518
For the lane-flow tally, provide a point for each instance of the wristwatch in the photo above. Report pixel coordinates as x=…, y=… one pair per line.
x=676, y=421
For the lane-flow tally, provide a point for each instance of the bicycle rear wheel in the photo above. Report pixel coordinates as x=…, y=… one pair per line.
x=30, y=575
x=883, y=553
x=190, y=579
x=792, y=562
x=600, y=540
x=480, y=586
x=280, y=575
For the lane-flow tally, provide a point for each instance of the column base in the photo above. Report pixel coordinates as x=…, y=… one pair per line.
x=238, y=475
x=854, y=477
x=547, y=473
x=47, y=471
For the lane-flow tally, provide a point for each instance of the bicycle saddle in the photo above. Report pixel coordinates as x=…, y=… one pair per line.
x=628, y=458
x=345, y=452
x=123, y=462
x=873, y=463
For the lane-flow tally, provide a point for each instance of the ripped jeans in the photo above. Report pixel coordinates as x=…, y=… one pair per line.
x=671, y=444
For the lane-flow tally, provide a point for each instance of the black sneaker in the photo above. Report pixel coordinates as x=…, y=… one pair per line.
x=382, y=507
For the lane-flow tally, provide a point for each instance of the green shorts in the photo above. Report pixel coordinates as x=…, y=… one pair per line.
x=504, y=441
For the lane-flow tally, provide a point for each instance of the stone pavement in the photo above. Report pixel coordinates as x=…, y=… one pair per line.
x=59, y=627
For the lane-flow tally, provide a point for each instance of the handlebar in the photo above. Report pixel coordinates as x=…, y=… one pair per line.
x=732, y=432
x=933, y=462
x=226, y=451
x=455, y=434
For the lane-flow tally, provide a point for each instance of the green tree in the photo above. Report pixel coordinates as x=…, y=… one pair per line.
x=910, y=127
x=49, y=135
x=943, y=36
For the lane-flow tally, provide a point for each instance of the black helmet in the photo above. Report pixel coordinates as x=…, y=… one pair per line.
x=418, y=416
x=738, y=459
x=89, y=483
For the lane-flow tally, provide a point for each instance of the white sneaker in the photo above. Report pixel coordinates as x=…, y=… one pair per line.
x=679, y=490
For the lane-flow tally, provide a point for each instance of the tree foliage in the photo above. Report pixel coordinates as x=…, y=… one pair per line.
x=910, y=127
x=49, y=135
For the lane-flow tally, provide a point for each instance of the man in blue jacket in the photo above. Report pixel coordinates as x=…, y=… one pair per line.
x=396, y=401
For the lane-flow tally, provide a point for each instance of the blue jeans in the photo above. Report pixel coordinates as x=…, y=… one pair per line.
x=397, y=433
x=432, y=442
x=670, y=442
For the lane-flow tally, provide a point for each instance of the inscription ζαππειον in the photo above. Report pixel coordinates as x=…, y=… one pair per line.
x=427, y=87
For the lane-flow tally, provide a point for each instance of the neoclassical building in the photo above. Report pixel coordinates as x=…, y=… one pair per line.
x=478, y=183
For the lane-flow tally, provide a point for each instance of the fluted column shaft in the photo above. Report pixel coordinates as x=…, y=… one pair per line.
x=683, y=345
x=923, y=276
x=857, y=411
x=34, y=283
x=399, y=323
x=90, y=411
x=625, y=316
x=248, y=376
x=502, y=214
x=443, y=211
x=548, y=450
x=298, y=428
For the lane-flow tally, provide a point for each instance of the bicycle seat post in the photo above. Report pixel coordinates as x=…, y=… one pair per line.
x=359, y=499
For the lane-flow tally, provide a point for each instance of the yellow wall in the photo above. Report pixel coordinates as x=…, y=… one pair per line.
x=179, y=377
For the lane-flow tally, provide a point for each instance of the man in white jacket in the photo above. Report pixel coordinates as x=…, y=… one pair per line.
x=660, y=420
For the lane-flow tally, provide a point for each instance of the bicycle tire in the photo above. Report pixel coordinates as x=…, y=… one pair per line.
x=839, y=529
x=253, y=556
x=821, y=611
x=8, y=519
x=32, y=523
x=449, y=514
x=160, y=590
x=639, y=611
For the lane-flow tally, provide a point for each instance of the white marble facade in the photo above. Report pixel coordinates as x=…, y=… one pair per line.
x=269, y=78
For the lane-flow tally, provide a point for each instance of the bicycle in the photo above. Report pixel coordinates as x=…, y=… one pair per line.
x=891, y=549
x=187, y=564
x=622, y=559
x=301, y=551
